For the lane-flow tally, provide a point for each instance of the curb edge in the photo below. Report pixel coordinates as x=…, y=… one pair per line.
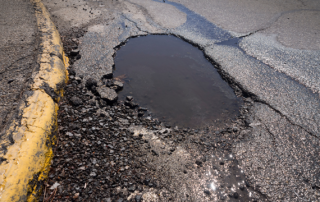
x=27, y=160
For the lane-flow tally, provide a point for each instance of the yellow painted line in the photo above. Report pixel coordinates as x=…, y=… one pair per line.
x=52, y=60
x=27, y=160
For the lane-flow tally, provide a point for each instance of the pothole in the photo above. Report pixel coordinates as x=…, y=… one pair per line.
x=175, y=81
x=107, y=151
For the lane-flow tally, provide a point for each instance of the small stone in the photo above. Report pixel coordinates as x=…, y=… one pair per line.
x=74, y=52
x=55, y=185
x=118, y=85
x=142, y=109
x=155, y=153
x=78, y=79
x=146, y=181
x=235, y=195
x=72, y=72
x=102, y=113
x=129, y=98
x=92, y=102
x=75, y=101
x=108, y=75
x=69, y=134
x=91, y=82
x=140, y=113
x=204, y=158
x=207, y=192
x=76, y=196
x=124, y=121
x=107, y=200
x=103, y=103
x=130, y=104
x=107, y=93
x=198, y=162
x=138, y=198
x=93, y=174
x=132, y=188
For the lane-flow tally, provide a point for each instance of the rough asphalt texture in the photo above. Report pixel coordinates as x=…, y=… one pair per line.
x=118, y=153
x=18, y=51
x=274, y=69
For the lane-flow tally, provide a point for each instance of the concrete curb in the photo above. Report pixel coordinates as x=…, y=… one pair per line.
x=27, y=142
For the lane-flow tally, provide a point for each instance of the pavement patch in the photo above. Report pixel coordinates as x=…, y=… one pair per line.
x=27, y=143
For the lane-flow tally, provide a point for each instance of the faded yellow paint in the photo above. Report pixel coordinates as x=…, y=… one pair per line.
x=29, y=155
x=28, y=159
x=52, y=73
x=52, y=60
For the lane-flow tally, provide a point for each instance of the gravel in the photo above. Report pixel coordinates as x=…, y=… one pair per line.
x=115, y=151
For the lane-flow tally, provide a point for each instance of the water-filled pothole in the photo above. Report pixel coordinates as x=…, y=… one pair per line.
x=175, y=81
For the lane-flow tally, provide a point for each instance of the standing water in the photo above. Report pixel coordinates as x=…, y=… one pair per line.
x=174, y=80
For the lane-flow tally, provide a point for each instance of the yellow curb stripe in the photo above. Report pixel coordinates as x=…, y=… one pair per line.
x=28, y=159
x=52, y=69
x=29, y=154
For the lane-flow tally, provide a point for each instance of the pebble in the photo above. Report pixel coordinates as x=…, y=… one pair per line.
x=206, y=192
x=74, y=52
x=107, y=93
x=118, y=85
x=138, y=198
x=71, y=72
x=91, y=82
x=106, y=155
x=129, y=98
x=76, y=196
x=198, y=162
x=69, y=134
x=132, y=188
x=76, y=101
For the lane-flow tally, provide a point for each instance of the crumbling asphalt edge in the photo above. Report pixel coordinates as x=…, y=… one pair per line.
x=27, y=143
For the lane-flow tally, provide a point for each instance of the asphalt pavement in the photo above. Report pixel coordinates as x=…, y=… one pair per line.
x=18, y=45
x=267, y=51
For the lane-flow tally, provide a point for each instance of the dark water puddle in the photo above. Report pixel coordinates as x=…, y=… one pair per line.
x=174, y=81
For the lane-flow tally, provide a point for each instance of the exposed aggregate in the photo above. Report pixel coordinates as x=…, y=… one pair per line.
x=115, y=151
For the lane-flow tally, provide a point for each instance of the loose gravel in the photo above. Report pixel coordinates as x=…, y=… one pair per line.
x=115, y=151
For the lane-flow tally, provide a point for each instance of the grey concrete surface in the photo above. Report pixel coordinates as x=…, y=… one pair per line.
x=283, y=173
x=295, y=22
x=291, y=99
x=301, y=65
x=18, y=47
x=275, y=66
x=163, y=14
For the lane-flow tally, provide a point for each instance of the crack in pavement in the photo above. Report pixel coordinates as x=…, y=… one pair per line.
x=22, y=58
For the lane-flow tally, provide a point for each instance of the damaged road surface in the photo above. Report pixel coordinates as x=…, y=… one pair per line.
x=114, y=146
x=113, y=153
x=174, y=81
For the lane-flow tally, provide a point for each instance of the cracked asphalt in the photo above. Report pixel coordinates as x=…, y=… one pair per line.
x=18, y=51
x=268, y=52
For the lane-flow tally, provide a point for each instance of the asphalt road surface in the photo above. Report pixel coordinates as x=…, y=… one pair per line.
x=268, y=52
x=18, y=51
